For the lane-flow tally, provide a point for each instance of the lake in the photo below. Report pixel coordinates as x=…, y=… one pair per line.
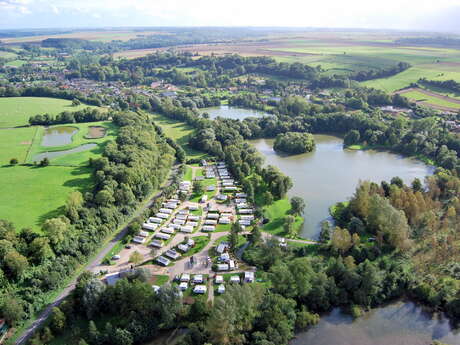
x=400, y=323
x=235, y=113
x=54, y=154
x=330, y=174
x=58, y=136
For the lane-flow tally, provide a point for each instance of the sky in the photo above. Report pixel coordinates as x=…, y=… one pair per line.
x=424, y=15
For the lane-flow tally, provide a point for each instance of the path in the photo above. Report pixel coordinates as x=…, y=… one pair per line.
x=88, y=267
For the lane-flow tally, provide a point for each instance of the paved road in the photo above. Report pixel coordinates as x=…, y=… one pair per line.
x=89, y=267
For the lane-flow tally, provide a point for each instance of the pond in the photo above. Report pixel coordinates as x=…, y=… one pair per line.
x=400, y=323
x=58, y=136
x=235, y=113
x=96, y=132
x=330, y=174
x=54, y=154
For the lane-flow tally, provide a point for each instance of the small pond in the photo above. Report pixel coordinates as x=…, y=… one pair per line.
x=51, y=155
x=400, y=323
x=96, y=132
x=58, y=136
x=235, y=113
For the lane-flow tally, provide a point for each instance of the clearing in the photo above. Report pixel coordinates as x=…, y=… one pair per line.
x=16, y=111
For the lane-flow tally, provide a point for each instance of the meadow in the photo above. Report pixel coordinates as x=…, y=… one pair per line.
x=32, y=194
x=15, y=143
x=178, y=131
x=422, y=97
x=16, y=111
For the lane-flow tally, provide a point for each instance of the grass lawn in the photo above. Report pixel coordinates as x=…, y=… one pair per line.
x=223, y=227
x=180, y=132
x=188, y=176
x=200, y=243
x=30, y=195
x=78, y=139
x=16, y=111
x=15, y=143
x=160, y=279
x=276, y=213
x=421, y=97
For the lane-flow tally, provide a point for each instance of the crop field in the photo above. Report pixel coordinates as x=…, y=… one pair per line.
x=431, y=99
x=16, y=111
x=32, y=194
x=178, y=131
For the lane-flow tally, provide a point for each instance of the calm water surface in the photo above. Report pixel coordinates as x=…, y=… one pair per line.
x=233, y=112
x=55, y=154
x=330, y=174
x=58, y=136
x=401, y=323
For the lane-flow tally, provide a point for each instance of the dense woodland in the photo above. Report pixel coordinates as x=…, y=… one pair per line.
x=294, y=142
x=35, y=264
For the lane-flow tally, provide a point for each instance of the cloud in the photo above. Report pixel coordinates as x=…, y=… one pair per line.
x=402, y=14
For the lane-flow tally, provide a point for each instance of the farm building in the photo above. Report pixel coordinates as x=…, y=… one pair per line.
x=162, y=260
x=162, y=236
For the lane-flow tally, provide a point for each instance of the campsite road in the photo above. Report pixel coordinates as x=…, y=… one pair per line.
x=96, y=261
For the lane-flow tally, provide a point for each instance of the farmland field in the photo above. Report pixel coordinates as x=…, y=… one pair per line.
x=16, y=111
x=32, y=194
x=15, y=143
x=178, y=131
x=430, y=98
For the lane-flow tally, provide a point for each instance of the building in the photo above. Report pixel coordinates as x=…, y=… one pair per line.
x=162, y=236
x=143, y=233
x=162, y=215
x=149, y=226
x=221, y=289
x=234, y=279
x=187, y=229
x=224, y=220
x=222, y=247
x=208, y=228
x=185, y=277
x=198, y=278
x=183, y=286
x=169, y=231
x=184, y=248
x=219, y=279
x=200, y=289
x=162, y=260
x=171, y=253
x=139, y=239
x=155, y=220
x=249, y=277
x=156, y=243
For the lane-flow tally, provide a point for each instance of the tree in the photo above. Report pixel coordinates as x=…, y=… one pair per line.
x=297, y=205
x=58, y=320
x=256, y=235
x=325, y=234
x=288, y=226
x=56, y=229
x=93, y=333
x=341, y=240
x=136, y=258
x=92, y=293
x=45, y=162
x=14, y=161
x=16, y=263
x=12, y=310
x=73, y=204
x=198, y=188
x=233, y=240
x=351, y=138
x=41, y=249
x=75, y=102
x=417, y=185
x=267, y=198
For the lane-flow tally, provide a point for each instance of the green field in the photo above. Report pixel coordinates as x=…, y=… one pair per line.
x=421, y=97
x=15, y=143
x=276, y=213
x=16, y=111
x=178, y=131
x=32, y=194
